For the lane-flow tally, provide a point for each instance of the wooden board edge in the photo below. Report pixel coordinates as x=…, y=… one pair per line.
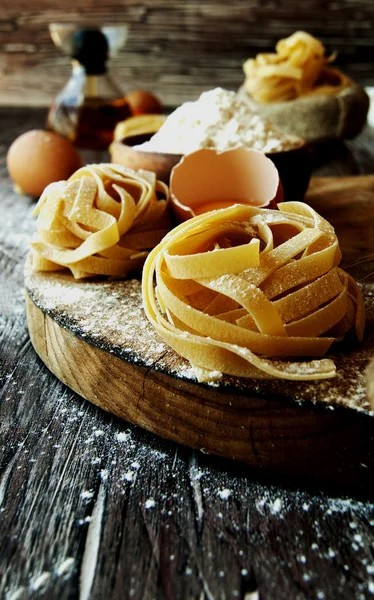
x=265, y=434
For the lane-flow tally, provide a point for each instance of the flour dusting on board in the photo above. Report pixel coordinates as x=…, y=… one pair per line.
x=224, y=494
x=109, y=315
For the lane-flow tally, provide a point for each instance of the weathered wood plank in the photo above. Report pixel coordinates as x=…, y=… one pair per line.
x=176, y=49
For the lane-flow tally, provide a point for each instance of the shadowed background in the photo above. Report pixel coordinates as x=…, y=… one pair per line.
x=91, y=506
x=176, y=49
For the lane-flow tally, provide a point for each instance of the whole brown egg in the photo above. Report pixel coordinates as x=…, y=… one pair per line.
x=37, y=158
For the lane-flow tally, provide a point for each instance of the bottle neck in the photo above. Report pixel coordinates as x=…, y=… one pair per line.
x=95, y=85
x=81, y=70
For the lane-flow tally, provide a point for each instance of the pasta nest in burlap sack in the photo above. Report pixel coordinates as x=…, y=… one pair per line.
x=297, y=89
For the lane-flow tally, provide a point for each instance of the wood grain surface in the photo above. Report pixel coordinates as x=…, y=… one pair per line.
x=178, y=49
x=259, y=423
x=91, y=507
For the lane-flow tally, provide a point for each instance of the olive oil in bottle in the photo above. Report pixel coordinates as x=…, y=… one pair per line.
x=90, y=105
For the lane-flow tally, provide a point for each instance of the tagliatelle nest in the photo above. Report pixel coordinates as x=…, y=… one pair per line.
x=297, y=68
x=240, y=290
x=102, y=221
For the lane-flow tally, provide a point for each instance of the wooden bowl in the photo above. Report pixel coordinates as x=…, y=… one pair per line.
x=295, y=169
x=294, y=166
x=122, y=152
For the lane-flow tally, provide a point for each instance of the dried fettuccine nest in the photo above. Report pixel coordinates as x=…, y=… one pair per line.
x=247, y=291
x=104, y=220
x=295, y=69
x=297, y=89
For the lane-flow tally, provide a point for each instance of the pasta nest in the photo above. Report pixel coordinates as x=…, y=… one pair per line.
x=297, y=68
x=240, y=290
x=102, y=221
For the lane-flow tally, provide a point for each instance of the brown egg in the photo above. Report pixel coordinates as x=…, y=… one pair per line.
x=37, y=158
x=143, y=103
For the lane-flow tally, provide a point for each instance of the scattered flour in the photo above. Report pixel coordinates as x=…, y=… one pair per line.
x=123, y=436
x=224, y=494
x=276, y=506
x=98, y=432
x=104, y=474
x=87, y=495
x=40, y=581
x=65, y=566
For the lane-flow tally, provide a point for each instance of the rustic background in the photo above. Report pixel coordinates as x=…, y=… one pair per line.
x=175, y=49
x=94, y=508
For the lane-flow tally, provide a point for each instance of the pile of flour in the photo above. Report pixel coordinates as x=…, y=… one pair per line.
x=219, y=119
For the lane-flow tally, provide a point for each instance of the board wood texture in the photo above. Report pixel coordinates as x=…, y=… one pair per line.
x=95, y=338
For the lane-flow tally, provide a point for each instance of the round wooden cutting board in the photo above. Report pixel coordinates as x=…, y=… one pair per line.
x=94, y=336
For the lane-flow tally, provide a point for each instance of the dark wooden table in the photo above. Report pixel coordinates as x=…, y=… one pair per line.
x=92, y=507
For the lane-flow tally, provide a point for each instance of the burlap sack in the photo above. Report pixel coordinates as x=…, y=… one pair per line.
x=318, y=118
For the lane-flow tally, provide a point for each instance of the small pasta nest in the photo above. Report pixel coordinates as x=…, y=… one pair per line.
x=246, y=291
x=297, y=68
x=102, y=221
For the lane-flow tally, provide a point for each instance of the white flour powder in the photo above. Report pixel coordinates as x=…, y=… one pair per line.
x=221, y=120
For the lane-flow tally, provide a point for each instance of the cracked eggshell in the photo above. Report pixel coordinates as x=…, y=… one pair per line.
x=207, y=180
